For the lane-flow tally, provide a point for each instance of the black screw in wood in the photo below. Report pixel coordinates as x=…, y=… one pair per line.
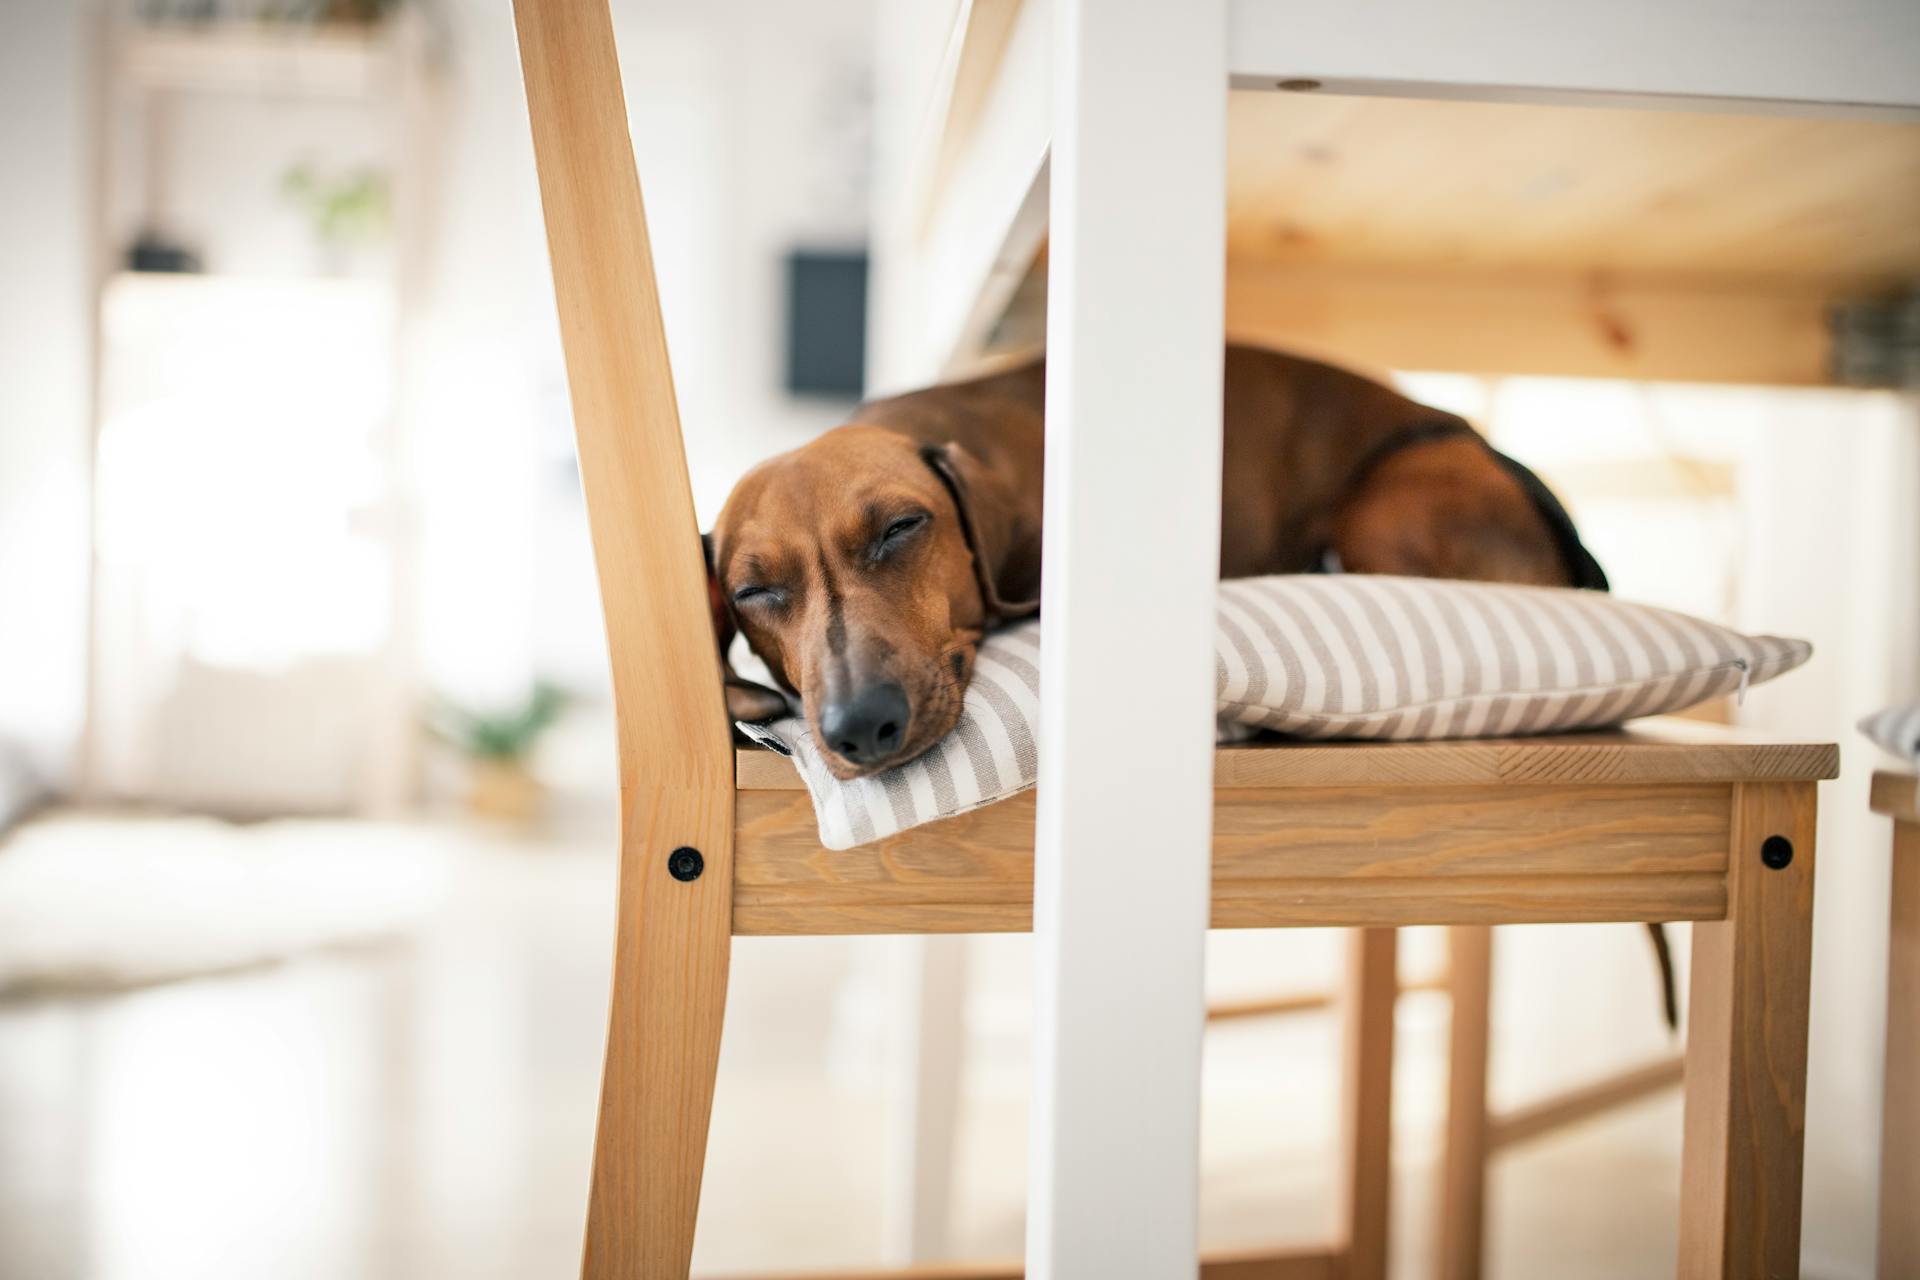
x=1776, y=851
x=685, y=863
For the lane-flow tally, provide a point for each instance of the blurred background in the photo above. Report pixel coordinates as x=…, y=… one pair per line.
x=306, y=759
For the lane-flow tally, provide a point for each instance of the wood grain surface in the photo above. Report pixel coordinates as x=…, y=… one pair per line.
x=675, y=755
x=1661, y=750
x=1321, y=856
x=1459, y=1244
x=1369, y=996
x=1746, y=1067
x=1897, y=795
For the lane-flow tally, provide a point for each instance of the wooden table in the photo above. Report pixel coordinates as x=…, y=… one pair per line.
x=1140, y=835
x=1102, y=136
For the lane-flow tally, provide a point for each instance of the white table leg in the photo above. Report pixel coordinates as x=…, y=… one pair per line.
x=1135, y=301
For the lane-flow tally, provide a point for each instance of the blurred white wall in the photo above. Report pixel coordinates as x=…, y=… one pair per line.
x=749, y=121
x=742, y=130
x=1834, y=555
x=46, y=323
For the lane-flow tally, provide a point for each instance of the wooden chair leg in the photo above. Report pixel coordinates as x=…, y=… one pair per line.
x=674, y=930
x=1463, y=1161
x=671, y=948
x=1900, y=1119
x=1371, y=991
x=1746, y=1071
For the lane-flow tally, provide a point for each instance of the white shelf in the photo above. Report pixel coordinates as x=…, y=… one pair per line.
x=338, y=62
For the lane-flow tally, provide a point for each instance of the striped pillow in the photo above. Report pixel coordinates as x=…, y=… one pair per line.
x=1897, y=729
x=1333, y=656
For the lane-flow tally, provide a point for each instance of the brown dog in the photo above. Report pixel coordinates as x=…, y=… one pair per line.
x=864, y=567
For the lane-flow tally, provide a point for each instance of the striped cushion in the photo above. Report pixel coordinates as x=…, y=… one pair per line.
x=1334, y=656
x=1897, y=729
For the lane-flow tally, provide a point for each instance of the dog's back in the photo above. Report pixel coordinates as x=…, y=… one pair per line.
x=1298, y=436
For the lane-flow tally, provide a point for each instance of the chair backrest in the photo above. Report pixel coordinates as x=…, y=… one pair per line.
x=676, y=758
x=646, y=539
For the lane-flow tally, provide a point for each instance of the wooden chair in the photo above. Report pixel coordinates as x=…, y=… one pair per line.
x=1660, y=824
x=1898, y=796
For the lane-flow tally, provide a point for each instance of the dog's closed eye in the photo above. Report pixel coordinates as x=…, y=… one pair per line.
x=757, y=595
x=897, y=532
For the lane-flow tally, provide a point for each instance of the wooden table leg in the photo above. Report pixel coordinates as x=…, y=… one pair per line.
x=1900, y=1119
x=1746, y=1073
x=1463, y=1161
x=1371, y=991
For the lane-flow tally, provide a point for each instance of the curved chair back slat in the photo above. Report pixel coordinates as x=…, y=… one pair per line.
x=666, y=670
x=676, y=759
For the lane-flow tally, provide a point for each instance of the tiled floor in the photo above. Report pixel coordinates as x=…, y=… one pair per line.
x=425, y=1109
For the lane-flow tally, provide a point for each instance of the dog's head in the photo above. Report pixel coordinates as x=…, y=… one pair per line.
x=864, y=568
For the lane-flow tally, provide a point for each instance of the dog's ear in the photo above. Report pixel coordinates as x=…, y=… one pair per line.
x=750, y=703
x=1004, y=539
x=723, y=628
x=746, y=701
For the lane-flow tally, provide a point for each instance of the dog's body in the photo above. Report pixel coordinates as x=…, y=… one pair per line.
x=1314, y=459
x=865, y=566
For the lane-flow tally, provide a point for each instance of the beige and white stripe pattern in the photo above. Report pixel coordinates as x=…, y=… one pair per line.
x=1353, y=656
x=989, y=756
x=1898, y=730
x=1335, y=656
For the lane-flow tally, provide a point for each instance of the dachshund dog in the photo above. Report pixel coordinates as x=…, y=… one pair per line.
x=865, y=566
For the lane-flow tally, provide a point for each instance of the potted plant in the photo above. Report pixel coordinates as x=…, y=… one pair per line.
x=350, y=212
x=498, y=745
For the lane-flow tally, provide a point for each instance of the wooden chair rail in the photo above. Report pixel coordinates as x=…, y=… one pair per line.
x=1295, y=1002
x=1246, y=1264
x=1361, y=856
x=1523, y=1123
x=1544, y=1115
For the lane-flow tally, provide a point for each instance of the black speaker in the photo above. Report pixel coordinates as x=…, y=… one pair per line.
x=827, y=323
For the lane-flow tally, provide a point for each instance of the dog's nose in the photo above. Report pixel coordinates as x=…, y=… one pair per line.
x=869, y=726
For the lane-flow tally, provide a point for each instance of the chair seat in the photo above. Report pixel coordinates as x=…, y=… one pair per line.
x=1630, y=824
